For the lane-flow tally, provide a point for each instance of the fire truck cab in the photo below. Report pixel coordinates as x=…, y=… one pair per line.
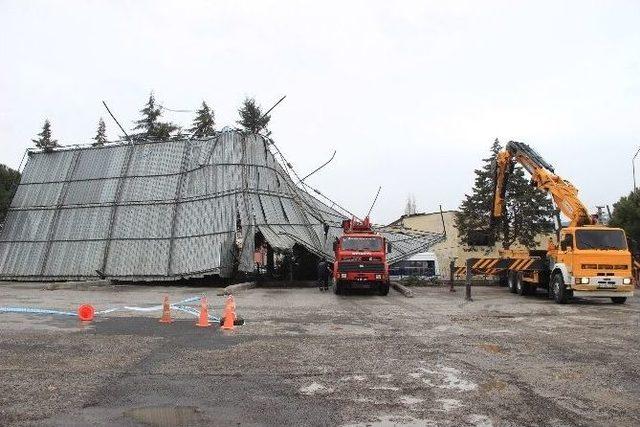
x=360, y=258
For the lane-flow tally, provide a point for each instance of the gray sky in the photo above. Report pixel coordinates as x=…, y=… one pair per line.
x=410, y=94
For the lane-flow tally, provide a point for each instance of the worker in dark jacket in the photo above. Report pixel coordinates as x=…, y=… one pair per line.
x=324, y=272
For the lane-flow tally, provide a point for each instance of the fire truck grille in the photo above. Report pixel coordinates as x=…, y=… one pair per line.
x=344, y=267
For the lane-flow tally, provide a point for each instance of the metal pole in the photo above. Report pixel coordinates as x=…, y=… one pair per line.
x=374, y=201
x=320, y=167
x=117, y=122
x=467, y=290
x=452, y=266
x=274, y=106
x=444, y=229
x=633, y=168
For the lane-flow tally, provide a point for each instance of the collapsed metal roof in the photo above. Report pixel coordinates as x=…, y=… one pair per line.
x=164, y=210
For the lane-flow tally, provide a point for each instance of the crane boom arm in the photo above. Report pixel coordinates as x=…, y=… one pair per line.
x=564, y=194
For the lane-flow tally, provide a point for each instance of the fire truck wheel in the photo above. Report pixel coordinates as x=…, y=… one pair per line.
x=337, y=288
x=619, y=300
x=511, y=280
x=383, y=289
x=560, y=294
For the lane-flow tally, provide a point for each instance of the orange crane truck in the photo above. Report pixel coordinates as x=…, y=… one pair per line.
x=589, y=260
x=360, y=258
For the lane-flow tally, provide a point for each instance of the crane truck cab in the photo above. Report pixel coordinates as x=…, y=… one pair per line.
x=360, y=258
x=591, y=261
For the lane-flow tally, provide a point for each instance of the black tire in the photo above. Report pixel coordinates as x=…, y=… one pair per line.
x=618, y=300
x=558, y=289
x=531, y=289
x=521, y=287
x=383, y=289
x=337, y=288
x=503, y=280
x=511, y=281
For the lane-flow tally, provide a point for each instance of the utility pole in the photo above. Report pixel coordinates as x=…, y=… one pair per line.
x=633, y=168
x=452, y=267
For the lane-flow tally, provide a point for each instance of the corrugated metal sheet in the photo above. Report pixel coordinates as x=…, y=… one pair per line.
x=163, y=210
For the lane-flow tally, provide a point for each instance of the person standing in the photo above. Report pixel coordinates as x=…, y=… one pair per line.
x=324, y=272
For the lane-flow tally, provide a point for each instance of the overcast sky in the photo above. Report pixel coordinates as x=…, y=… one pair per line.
x=410, y=94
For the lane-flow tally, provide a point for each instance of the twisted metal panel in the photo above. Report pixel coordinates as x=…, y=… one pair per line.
x=164, y=210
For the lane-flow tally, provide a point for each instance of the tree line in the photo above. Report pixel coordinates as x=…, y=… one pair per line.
x=151, y=127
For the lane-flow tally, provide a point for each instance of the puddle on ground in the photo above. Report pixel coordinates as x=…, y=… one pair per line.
x=493, y=385
x=393, y=421
x=315, y=388
x=410, y=400
x=478, y=420
x=449, y=404
x=492, y=348
x=161, y=416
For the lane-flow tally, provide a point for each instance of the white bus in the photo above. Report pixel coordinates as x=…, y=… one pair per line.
x=422, y=266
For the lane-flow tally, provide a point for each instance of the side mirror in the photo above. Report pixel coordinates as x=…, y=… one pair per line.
x=335, y=245
x=389, y=247
x=567, y=242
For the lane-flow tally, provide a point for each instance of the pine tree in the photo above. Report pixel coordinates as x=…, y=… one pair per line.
x=44, y=141
x=251, y=117
x=9, y=180
x=474, y=211
x=626, y=215
x=410, y=208
x=101, y=133
x=149, y=120
x=527, y=212
x=204, y=122
x=165, y=130
x=149, y=125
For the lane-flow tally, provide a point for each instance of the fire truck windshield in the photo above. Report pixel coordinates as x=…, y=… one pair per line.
x=601, y=239
x=368, y=244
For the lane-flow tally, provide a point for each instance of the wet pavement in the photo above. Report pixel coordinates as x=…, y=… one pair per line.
x=310, y=358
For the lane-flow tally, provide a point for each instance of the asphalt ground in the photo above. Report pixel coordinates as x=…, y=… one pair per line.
x=311, y=358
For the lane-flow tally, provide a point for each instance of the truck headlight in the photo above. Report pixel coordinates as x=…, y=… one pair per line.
x=626, y=281
x=378, y=276
x=582, y=280
x=343, y=275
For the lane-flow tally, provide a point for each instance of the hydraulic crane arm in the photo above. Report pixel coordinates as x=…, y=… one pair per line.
x=564, y=194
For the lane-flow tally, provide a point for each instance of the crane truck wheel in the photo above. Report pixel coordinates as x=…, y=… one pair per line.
x=558, y=289
x=503, y=280
x=383, y=289
x=521, y=288
x=511, y=281
x=619, y=300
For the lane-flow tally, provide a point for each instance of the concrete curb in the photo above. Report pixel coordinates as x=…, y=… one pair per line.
x=402, y=289
x=237, y=287
x=78, y=285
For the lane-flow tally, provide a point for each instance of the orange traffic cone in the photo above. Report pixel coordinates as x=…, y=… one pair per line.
x=86, y=312
x=166, y=311
x=203, y=321
x=229, y=313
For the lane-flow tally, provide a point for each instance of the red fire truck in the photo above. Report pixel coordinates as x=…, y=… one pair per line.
x=360, y=258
